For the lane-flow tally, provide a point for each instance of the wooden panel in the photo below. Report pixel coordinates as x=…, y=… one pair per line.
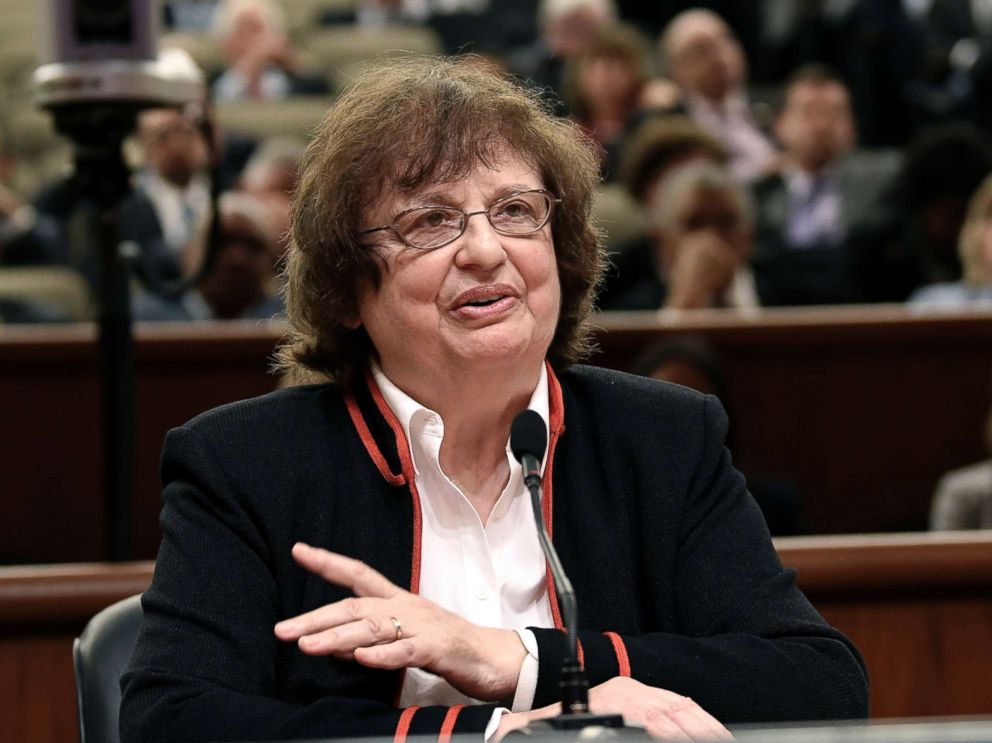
x=42, y=610
x=862, y=409
x=49, y=384
x=918, y=606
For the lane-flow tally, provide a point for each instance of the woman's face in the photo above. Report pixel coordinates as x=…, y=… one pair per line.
x=484, y=302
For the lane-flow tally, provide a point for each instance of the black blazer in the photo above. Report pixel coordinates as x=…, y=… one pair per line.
x=664, y=545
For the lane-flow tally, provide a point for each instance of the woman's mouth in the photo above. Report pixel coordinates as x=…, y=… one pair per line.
x=484, y=302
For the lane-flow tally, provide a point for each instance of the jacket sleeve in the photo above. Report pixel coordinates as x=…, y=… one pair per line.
x=749, y=646
x=206, y=663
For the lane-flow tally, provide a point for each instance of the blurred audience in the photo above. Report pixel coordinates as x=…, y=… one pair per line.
x=174, y=179
x=957, y=60
x=963, y=499
x=658, y=146
x=608, y=88
x=942, y=168
x=194, y=16
x=566, y=28
x=703, y=57
x=697, y=251
x=270, y=177
x=26, y=237
x=974, y=290
x=821, y=215
x=241, y=281
x=262, y=62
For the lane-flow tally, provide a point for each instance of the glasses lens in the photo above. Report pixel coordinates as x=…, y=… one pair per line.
x=430, y=226
x=521, y=214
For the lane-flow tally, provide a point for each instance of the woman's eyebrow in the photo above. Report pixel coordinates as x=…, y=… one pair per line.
x=430, y=198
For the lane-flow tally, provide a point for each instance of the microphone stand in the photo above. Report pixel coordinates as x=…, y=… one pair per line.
x=574, y=686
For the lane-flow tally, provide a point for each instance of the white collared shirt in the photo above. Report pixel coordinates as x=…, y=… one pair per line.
x=730, y=122
x=492, y=574
x=180, y=211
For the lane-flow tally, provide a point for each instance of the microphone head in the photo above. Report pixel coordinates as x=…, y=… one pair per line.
x=528, y=435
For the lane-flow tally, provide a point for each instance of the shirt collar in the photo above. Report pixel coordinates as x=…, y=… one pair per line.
x=405, y=408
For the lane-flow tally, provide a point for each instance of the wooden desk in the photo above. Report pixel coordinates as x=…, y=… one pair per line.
x=919, y=607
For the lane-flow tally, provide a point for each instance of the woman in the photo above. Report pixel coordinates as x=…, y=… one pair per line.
x=975, y=249
x=441, y=274
x=696, y=255
x=609, y=89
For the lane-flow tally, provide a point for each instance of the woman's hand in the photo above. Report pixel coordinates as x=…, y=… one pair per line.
x=663, y=714
x=384, y=626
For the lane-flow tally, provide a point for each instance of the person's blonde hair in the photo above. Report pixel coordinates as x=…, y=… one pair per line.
x=975, y=266
x=401, y=125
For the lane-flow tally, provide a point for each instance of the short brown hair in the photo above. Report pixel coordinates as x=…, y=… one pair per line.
x=401, y=125
x=616, y=41
x=657, y=144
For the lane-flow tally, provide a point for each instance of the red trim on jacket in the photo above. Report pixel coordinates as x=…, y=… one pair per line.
x=409, y=477
x=556, y=425
x=448, y=726
x=623, y=662
x=370, y=446
x=406, y=463
x=403, y=726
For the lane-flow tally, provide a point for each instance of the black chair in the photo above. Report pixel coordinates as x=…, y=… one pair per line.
x=100, y=656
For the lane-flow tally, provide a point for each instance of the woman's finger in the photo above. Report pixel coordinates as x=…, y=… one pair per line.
x=697, y=723
x=659, y=725
x=329, y=616
x=344, y=571
x=345, y=638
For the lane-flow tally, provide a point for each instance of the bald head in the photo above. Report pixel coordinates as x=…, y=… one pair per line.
x=702, y=54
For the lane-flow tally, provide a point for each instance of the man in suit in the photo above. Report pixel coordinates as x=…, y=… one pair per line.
x=706, y=61
x=818, y=215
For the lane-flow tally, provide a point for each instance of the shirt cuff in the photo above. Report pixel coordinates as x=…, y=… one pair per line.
x=523, y=697
x=494, y=723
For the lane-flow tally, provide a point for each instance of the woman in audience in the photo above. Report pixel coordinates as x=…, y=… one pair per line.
x=609, y=89
x=361, y=557
x=696, y=253
x=974, y=290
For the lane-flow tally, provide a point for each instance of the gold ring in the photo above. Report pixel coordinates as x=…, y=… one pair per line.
x=399, y=629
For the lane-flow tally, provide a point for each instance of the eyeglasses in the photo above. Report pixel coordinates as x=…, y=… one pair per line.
x=430, y=227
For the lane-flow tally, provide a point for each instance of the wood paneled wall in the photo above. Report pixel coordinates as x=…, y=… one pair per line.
x=861, y=409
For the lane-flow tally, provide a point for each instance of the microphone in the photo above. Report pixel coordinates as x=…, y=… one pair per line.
x=528, y=440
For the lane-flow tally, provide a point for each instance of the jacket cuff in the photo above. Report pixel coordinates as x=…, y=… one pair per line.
x=443, y=722
x=600, y=655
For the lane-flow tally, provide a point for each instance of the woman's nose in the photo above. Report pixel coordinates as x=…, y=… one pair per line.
x=480, y=245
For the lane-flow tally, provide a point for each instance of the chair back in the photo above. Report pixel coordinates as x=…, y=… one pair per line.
x=100, y=655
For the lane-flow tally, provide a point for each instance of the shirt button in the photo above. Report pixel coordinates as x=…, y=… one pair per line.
x=482, y=594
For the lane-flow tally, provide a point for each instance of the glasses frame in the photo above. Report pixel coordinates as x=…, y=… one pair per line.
x=553, y=200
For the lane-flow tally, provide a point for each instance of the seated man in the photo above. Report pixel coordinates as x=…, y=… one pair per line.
x=262, y=63
x=707, y=63
x=241, y=282
x=819, y=218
